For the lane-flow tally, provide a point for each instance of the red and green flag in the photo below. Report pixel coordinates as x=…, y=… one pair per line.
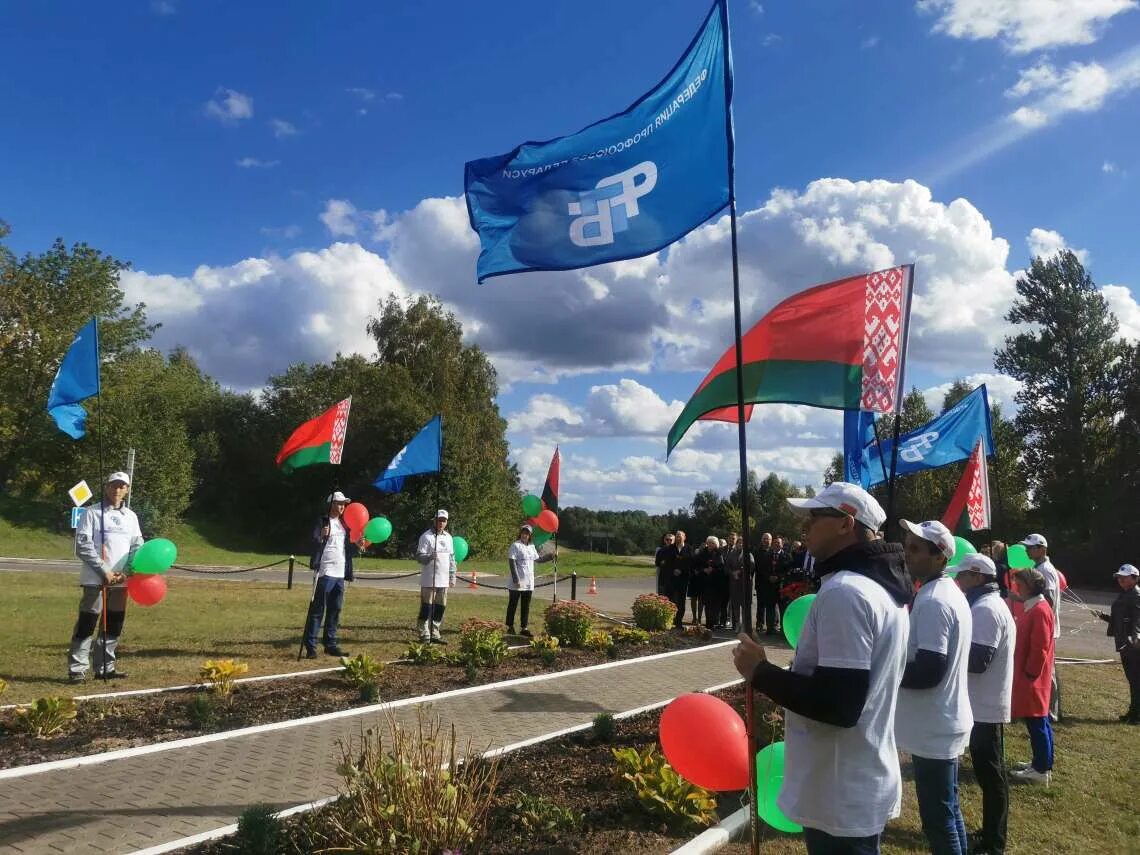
x=840, y=345
x=320, y=440
x=550, y=488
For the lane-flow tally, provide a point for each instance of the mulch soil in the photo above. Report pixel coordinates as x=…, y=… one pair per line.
x=111, y=724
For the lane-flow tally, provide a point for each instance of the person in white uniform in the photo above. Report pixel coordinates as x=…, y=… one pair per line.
x=521, y=559
x=106, y=541
x=436, y=555
x=934, y=718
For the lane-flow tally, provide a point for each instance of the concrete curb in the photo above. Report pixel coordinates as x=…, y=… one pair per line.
x=718, y=836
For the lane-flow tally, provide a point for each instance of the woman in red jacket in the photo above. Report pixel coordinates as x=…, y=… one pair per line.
x=1032, y=673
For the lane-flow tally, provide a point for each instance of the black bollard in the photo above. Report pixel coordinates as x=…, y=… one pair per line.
x=573, y=584
x=291, y=559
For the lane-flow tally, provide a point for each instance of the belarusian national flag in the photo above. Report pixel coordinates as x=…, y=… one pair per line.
x=320, y=440
x=550, y=488
x=972, y=495
x=840, y=345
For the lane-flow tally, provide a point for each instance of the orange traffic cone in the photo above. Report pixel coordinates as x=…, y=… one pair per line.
x=473, y=584
x=593, y=586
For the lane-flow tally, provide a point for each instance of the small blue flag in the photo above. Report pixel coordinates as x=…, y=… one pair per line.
x=621, y=188
x=947, y=439
x=419, y=457
x=77, y=379
x=858, y=433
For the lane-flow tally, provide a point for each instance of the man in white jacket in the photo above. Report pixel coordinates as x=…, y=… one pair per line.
x=105, y=541
x=436, y=555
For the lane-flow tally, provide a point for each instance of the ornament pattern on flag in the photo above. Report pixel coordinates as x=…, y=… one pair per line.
x=340, y=428
x=978, y=499
x=882, y=339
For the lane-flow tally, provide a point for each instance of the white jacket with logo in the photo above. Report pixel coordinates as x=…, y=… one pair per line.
x=436, y=555
x=117, y=529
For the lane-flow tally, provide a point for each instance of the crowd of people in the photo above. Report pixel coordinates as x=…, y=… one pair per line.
x=713, y=579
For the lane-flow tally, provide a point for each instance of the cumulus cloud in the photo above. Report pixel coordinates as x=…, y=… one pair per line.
x=343, y=219
x=1123, y=304
x=1000, y=388
x=1080, y=87
x=1045, y=243
x=256, y=163
x=229, y=106
x=282, y=128
x=1109, y=168
x=1025, y=25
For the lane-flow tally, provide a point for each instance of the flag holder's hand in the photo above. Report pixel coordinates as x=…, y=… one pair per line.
x=748, y=656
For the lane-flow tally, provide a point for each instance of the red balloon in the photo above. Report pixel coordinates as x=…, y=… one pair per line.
x=146, y=589
x=1063, y=581
x=355, y=519
x=705, y=741
x=548, y=521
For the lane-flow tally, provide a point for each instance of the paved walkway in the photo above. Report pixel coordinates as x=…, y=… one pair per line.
x=136, y=802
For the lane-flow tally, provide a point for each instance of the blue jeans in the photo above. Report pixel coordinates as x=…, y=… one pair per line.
x=821, y=843
x=1041, y=741
x=328, y=599
x=936, y=782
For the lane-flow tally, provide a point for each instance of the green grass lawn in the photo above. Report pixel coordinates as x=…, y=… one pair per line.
x=197, y=544
x=257, y=623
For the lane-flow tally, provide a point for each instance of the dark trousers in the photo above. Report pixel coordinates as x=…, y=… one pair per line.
x=821, y=843
x=714, y=604
x=1041, y=742
x=677, y=595
x=987, y=753
x=513, y=598
x=328, y=600
x=766, y=616
x=936, y=783
x=1130, y=661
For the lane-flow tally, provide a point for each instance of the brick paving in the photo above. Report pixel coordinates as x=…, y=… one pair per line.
x=136, y=802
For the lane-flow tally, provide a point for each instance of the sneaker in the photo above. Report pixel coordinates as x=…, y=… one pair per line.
x=1031, y=776
x=511, y=629
x=76, y=678
x=1020, y=767
x=112, y=675
x=335, y=651
x=310, y=654
x=438, y=640
x=526, y=633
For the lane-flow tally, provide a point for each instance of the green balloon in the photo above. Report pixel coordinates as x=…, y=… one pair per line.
x=962, y=548
x=538, y=537
x=794, y=617
x=531, y=506
x=460, y=546
x=154, y=556
x=378, y=529
x=1018, y=558
x=769, y=780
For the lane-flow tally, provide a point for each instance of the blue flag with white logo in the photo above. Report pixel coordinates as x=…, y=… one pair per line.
x=419, y=457
x=77, y=379
x=947, y=439
x=621, y=188
x=858, y=433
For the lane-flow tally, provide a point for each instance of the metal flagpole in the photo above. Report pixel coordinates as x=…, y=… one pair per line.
x=741, y=436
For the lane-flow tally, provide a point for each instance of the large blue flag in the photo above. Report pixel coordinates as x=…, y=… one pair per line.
x=76, y=380
x=419, y=457
x=947, y=439
x=621, y=188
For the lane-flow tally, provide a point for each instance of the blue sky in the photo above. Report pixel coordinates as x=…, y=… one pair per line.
x=254, y=160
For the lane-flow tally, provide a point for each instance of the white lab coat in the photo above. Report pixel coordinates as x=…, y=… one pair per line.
x=436, y=555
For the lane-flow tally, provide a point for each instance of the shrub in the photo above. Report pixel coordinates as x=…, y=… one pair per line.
x=420, y=792
x=540, y=816
x=604, y=726
x=3, y=685
x=661, y=791
x=629, y=635
x=220, y=674
x=481, y=642
x=701, y=632
x=202, y=711
x=369, y=692
x=361, y=670
x=424, y=654
x=547, y=648
x=258, y=831
x=44, y=717
x=569, y=621
x=653, y=612
x=599, y=641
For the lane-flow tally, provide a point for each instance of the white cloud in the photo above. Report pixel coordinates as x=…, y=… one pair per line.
x=1000, y=388
x=1124, y=305
x=361, y=92
x=771, y=39
x=339, y=216
x=256, y=163
x=1080, y=87
x=229, y=106
x=1044, y=243
x=756, y=6
x=869, y=42
x=1025, y=25
x=1029, y=117
x=282, y=128
x=394, y=96
x=1108, y=167
x=288, y=232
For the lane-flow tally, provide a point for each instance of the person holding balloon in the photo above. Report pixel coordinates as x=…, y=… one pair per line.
x=436, y=554
x=334, y=547
x=106, y=540
x=841, y=777
x=521, y=559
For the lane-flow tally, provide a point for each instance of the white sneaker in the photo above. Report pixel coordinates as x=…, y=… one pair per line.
x=1020, y=767
x=1031, y=776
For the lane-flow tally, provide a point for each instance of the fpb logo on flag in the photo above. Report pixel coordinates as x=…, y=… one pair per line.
x=916, y=449
x=608, y=207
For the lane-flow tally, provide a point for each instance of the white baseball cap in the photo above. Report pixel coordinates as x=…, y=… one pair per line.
x=849, y=498
x=119, y=476
x=1127, y=570
x=935, y=532
x=441, y=514
x=978, y=563
x=1035, y=540
x=338, y=496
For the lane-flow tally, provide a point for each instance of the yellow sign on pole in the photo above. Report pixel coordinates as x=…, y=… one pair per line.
x=80, y=494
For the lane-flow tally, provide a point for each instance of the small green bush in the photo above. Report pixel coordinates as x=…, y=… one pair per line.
x=629, y=635
x=361, y=669
x=540, y=816
x=569, y=621
x=44, y=717
x=604, y=726
x=653, y=612
x=424, y=654
x=258, y=831
x=661, y=791
x=599, y=641
x=202, y=711
x=481, y=643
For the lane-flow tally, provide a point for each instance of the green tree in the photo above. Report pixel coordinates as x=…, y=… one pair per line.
x=1068, y=362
